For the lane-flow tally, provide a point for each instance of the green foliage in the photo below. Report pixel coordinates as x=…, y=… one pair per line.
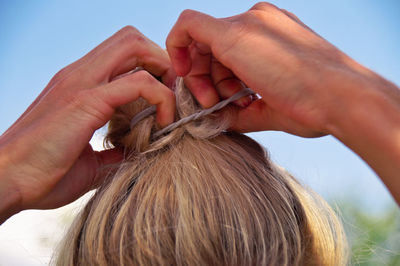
x=374, y=238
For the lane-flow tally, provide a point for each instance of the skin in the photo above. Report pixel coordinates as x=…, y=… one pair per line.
x=308, y=88
x=54, y=163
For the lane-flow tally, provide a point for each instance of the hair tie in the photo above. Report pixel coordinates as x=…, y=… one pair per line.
x=152, y=109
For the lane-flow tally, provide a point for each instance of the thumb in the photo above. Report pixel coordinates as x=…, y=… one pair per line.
x=254, y=117
x=88, y=172
x=109, y=161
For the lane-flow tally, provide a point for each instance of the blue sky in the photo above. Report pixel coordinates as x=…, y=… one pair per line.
x=40, y=37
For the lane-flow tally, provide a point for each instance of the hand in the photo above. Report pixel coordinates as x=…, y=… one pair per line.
x=308, y=87
x=294, y=70
x=46, y=160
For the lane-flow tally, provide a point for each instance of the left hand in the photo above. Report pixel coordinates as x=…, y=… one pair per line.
x=46, y=160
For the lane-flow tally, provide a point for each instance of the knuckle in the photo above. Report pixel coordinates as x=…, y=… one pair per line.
x=128, y=30
x=246, y=18
x=264, y=6
x=130, y=36
x=60, y=75
x=152, y=82
x=169, y=94
x=67, y=77
x=187, y=14
x=251, y=15
x=262, y=11
x=145, y=76
x=166, y=95
x=134, y=40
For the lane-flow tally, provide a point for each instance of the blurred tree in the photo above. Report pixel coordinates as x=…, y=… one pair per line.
x=374, y=238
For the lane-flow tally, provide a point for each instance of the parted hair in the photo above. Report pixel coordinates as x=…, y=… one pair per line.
x=199, y=195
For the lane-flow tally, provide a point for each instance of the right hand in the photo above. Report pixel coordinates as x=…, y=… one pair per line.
x=303, y=80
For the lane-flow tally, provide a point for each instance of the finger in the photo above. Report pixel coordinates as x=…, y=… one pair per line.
x=227, y=84
x=191, y=25
x=104, y=99
x=108, y=162
x=130, y=50
x=258, y=116
x=98, y=50
x=199, y=80
x=87, y=173
x=122, y=52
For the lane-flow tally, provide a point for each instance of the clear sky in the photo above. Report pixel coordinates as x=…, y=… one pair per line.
x=37, y=38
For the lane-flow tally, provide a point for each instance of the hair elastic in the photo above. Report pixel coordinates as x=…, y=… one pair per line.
x=152, y=109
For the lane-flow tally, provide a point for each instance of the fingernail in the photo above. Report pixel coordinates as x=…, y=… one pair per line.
x=244, y=101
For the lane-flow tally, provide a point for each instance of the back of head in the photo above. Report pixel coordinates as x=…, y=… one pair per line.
x=199, y=196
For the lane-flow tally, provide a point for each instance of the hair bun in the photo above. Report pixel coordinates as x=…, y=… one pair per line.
x=139, y=138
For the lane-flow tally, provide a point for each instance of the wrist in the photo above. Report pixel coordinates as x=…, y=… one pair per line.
x=368, y=122
x=369, y=103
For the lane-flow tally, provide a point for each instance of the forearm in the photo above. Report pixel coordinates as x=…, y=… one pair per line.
x=370, y=126
x=8, y=193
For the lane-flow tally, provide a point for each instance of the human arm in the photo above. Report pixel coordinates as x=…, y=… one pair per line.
x=370, y=126
x=46, y=160
x=308, y=87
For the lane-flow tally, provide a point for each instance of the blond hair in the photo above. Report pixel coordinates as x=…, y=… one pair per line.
x=199, y=196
